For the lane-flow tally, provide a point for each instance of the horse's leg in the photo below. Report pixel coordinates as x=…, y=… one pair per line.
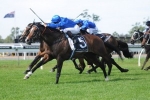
x=107, y=59
x=45, y=59
x=36, y=59
x=53, y=69
x=93, y=58
x=82, y=64
x=92, y=69
x=119, y=67
x=59, y=67
x=109, y=68
x=147, y=68
x=146, y=59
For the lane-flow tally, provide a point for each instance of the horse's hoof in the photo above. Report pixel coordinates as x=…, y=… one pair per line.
x=124, y=70
x=146, y=69
x=107, y=79
x=52, y=70
x=95, y=71
x=26, y=77
x=88, y=72
x=141, y=68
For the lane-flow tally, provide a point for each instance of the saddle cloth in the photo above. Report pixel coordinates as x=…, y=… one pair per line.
x=80, y=43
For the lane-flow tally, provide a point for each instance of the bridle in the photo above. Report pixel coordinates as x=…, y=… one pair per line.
x=138, y=36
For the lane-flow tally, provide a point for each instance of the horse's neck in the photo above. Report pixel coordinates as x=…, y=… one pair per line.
x=51, y=37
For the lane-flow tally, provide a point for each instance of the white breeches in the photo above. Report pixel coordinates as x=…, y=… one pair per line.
x=92, y=30
x=73, y=30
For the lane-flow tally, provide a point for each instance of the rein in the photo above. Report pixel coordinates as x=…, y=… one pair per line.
x=139, y=37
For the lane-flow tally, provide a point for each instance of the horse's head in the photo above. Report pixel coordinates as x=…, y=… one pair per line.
x=25, y=32
x=32, y=33
x=137, y=35
x=47, y=34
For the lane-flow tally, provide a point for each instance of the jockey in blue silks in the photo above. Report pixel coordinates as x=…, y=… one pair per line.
x=66, y=25
x=86, y=25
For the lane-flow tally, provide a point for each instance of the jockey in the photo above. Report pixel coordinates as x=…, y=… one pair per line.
x=86, y=25
x=146, y=33
x=64, y=24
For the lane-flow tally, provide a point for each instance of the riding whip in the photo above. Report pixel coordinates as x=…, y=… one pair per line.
x=37, y=15
x=78, y=16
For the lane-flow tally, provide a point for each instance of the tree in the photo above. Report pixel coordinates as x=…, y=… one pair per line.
x=87, y=16
x=1, y=40
x=137, y=26
x=115, y=34
x=9, y=39
x=14, y=33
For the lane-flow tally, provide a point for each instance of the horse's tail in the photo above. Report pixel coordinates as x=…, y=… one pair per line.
x=116, y=49
x=123, y=46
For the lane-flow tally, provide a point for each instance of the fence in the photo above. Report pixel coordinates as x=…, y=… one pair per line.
x=23, y=50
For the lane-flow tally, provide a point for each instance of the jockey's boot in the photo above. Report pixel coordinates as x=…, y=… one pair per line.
x=69, y=34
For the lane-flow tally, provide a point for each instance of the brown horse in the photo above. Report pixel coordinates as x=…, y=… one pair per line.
x=143, y=38
x=44, y=51
x=110, y=41
x=58, y=43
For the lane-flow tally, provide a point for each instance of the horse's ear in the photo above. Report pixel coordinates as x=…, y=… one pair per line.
x=138, y=30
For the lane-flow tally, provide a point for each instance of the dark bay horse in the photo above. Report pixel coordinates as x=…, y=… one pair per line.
x=140, y=36
x=58, y=43
x=44, y=51
x=118, y=45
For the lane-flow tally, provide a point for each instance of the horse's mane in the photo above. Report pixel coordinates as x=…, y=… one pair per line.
x=53, y=29
x=139, y=32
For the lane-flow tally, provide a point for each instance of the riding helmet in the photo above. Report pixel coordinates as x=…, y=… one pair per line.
x=78, y=21
x=56, y=19
x=148, y=23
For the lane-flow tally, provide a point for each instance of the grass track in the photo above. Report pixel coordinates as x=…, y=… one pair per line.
x=133, y=85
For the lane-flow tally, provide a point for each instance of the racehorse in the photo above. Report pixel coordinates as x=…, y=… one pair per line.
x=111, y=40
x=119, y=45
x=44, y=51
x=138, y=35
x=58, y=43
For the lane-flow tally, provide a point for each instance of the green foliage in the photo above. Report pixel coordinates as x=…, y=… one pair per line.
x=133, y=85
x=1, y=40
x=10, y=38
x=86, y=15
x=137, y=26
x=115, y=34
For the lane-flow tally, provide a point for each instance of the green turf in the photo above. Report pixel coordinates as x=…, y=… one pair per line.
x=133, y=85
